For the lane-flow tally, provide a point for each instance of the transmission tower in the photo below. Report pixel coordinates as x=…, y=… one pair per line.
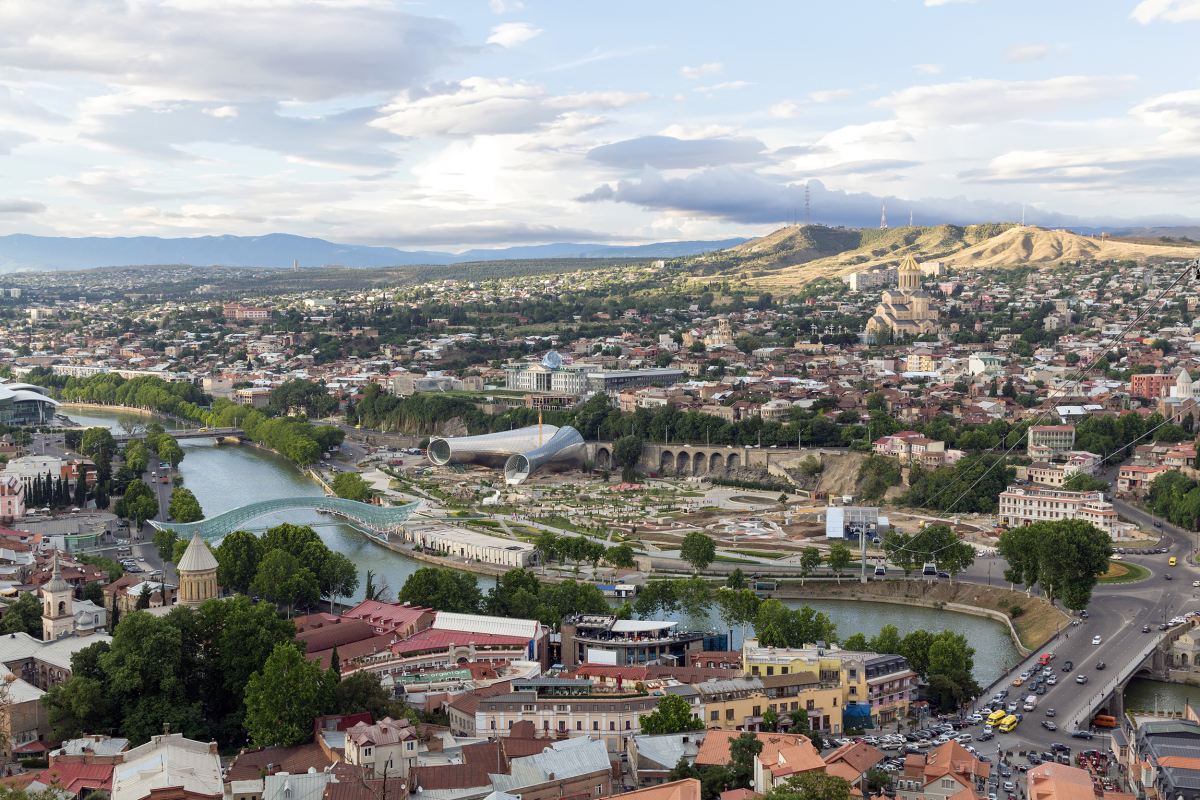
x=883, y=216
x=806, y=217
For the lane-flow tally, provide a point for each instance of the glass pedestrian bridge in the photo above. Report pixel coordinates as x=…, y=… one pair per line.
x=379, y=519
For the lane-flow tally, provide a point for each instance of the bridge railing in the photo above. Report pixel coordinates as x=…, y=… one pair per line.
x=1082, y=720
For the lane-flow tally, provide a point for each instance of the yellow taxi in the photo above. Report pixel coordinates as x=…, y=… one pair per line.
x=1018, y=682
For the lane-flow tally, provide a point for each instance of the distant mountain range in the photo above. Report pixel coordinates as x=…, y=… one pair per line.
x=21, y=252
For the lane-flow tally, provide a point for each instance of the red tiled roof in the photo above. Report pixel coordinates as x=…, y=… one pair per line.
x=433, y=639
x=74, y=777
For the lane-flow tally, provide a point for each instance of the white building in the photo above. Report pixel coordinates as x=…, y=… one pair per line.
x=26, y=468
x=386, y=749
x=471, y=545
x=169, y=760
x=1026, y=505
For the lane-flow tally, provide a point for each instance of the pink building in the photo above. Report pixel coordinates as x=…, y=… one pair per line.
x=12, y=497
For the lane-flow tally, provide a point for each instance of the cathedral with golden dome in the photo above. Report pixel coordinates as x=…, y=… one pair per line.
x=905, y=310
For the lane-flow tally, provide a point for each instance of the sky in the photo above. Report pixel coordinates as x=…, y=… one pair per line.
x=457, y=124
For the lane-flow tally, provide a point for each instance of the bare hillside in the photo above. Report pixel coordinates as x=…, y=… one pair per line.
x=1041, y=246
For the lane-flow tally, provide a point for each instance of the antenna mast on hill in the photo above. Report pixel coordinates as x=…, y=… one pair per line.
x=1022, y=215
x=910, y=218
x=806, y=217
x=883, y=216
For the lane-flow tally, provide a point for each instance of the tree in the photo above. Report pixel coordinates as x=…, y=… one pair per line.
x=736, y=579
x=169, y=450
x=23, y=615
x=164, y=541
x=283, y=699
x=811, y=785
x=898, y=549
x=351, y=486
x=80, y=499
x=442, y=589
x=184, y=506
x=620, y=556
x=547, y=545
x=793, y=627
x=627, y=452
x=738, y=607
x=143, y=601
x=810, y=559
x=99, y=444
x=338, y=578
x=698, y=549
x=281, y=579
x=237, y=561
x=139, y=504
x=93, y=592
x=515, y=595
x=695, y=602
x=657, y=597
x=742, y=751
x=672, y=715
x=839, y=558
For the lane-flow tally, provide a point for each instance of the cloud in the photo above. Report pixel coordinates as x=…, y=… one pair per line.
x=665, y=152
x=1023, y=53
x=478, y=106
x=724, y=85
x=10, y=140
x=505, y=6
x=1179, y=111
x=932, y=3
x=702, y=70
x=735, y=195
x=829, y=94
x=992, y=101
x=928, y=69
x=1148, y=11
x=784, y=109
x=698, y=131
x=512, y=34
x=166, y=131
x=227, y=50
x=21, y=207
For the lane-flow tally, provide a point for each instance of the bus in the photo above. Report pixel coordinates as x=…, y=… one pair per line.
x=1009, y=724
x=1104, y=721
x=997, y=716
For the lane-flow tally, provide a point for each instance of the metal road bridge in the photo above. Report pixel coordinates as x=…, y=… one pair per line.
x=379, y=519
x=195, y=433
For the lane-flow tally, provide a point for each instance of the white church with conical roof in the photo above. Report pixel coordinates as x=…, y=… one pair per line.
x=905, y=310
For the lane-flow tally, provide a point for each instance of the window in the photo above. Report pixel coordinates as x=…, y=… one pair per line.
x=627, y=725
x=772, y=706
x=545, y=725
x=770, y=670
x=756, y=712
x=729, y=713
x=853, y=690
x=367, y=752
x=716, y=715
x=627, y=706
x=612, y=726
x=811, y=704
x=853, y=674
x=562, y=724
x=599, y=789
x=578, y=725
x=595, y=725
x=793, y=706
x=510, y=723
x=408, y=745
x=754, y=670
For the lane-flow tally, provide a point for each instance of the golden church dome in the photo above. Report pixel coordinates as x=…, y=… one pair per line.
x=909, y=263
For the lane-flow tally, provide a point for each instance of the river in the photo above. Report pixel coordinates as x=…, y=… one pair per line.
x=226, y=476
x=1144, y=695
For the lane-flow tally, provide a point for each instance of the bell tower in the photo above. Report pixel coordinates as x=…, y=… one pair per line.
x=58, y=615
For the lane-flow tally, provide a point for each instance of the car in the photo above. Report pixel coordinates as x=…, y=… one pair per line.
x=1050, y=712
x=1048, y=725
x=1158, y=524
x=1082, y=735
x=1101, y=665
x=1041, y=689
x=1166, y=576
x=1081, y=678
x=1026, y=674
x=1195, y=583
x=1146, y=628
x=1033, y=758
x=1048, y=671
x=1096, y=640
x=1060, y=747
x=164, y=465
x=1002, y=693
x=141, y=558
x=1083, y=614
x=1008, y=786
x=1121, y=550
x=1012, y=707
x=983, y=737
x=924, y=743
x=1068, y=666
x=911, y=749
x=1018, y=681
x=945, y=575
x=963, y=738
x=1164, y=626
x=975, y=719
x=1052, y=680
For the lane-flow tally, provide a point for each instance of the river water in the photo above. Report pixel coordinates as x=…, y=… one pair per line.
x=226, y=476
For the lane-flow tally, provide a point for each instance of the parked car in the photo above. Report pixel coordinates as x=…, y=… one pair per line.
x=1059, y=746
x=1081, y=735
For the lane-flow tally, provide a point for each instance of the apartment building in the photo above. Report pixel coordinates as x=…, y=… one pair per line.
x=12, y=497
x=874, y=686
x=1137, y=478
x=566, y=707
x=942, y=773
x=734, y=704
x=1026, y=505
x=1151, y=386
x=1047, y=441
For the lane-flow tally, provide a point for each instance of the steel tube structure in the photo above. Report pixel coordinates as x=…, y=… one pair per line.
x=564, y=447
x=489, y=449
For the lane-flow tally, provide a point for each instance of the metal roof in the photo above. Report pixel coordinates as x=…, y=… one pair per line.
x=496, y=626
x=564, y=760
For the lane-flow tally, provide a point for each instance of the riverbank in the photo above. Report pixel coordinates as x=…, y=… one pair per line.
x=1035, y=624
x=135, y=411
